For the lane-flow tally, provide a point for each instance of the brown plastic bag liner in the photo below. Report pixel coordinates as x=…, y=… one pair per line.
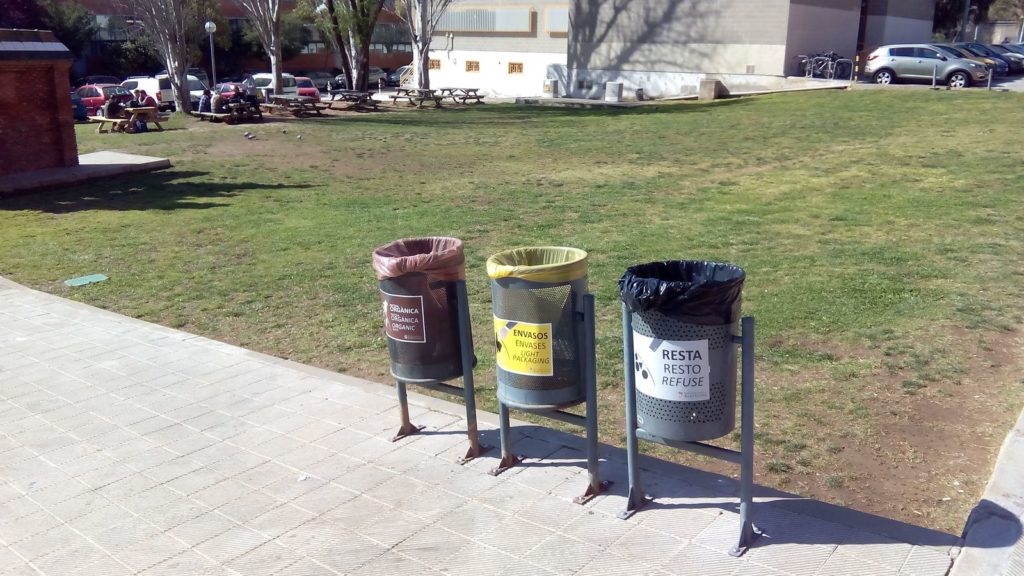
x=440, y=257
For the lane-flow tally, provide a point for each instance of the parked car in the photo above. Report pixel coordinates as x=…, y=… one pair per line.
x=998, y=66
x=264, y=81
x=1014, y=59
x=94, y=96
x=374, y=78
x=984, y=50
x=1015, y=48
x=96, y=79
x=159, y=87
x=305, y=87
x=78, y=110
x=197, y=72
x=887, y=64
x=395, y=76
x=227, y=88
x=320, y=79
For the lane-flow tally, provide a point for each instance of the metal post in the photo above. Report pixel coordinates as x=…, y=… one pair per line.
x=588, y=358
x=991, y=73
x=466, y=346
x=748, y=532
x=508, y=459
x=935, y=76
x=407, y=428
x=637, y=499
x=213, y=63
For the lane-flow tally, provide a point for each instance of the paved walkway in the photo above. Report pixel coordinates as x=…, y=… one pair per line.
x=130, y=448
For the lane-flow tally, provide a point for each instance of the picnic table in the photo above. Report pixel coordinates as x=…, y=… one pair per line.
x=462, y=95
x=147, y=113
x=357, y=99
x=296, y=105
x=417, y=96
x=236, y=112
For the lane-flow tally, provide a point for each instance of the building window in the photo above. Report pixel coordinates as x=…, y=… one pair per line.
x=472, y=65
x=515, y=67
x=434, y=65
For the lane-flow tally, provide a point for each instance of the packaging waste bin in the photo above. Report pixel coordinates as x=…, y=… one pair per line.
x=536, y=295
x=417, y=289
x=684, y=314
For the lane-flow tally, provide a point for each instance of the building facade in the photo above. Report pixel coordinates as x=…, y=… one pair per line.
x=30, y=140
x=664, y=47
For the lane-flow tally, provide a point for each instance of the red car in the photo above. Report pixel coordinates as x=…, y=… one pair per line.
x=307, y=87
x=228, y=88
x=94, y=96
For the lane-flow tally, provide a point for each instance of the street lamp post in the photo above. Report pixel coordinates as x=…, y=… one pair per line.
x=210, y=29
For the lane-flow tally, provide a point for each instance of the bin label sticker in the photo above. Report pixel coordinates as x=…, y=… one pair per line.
x=677, y=370
x=523, y=348
x=403, y=318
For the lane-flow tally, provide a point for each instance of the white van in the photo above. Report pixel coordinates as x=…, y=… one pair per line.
x=265, y=82
x=159, y=87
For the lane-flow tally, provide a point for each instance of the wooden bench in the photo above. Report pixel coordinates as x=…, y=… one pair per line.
x=273, y=108
x=211, y=116
x=477, y=98
x=116, y=124
x=418, y=99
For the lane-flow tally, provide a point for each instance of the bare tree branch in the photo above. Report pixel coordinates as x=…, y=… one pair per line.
x=421, y=16
x=265, y=17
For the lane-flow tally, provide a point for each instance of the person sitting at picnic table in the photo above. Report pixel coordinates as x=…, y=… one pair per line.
x=148, y=100
x=237, y=96
x=205, y=102
x=136, y=100
x=218, y=104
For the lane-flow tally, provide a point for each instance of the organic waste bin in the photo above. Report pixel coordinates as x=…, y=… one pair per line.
x=417, y=290
x=537, y=293
x=684, y=317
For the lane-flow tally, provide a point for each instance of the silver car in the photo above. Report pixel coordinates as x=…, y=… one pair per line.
x=887, y=64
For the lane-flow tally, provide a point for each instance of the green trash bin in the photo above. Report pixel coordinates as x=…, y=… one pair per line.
x=536, y=295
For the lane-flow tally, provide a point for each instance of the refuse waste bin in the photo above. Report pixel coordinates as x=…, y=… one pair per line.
x=685, y=314
x=417, y=289
x=536, y=293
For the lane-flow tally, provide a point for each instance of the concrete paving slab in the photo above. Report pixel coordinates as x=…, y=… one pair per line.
x=92, y=166
x=116, y=452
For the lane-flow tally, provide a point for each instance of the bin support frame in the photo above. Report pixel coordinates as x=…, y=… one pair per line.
x=637, y=499
x=588, y=359
x=467, y=390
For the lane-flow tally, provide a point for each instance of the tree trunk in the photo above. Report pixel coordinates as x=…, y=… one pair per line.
x=421, y=65
x=276, y=60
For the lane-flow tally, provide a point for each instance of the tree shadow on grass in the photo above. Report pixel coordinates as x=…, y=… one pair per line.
x=503, y=114
x=160, y=190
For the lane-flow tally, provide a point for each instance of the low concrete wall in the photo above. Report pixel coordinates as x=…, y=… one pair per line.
x=677, y=84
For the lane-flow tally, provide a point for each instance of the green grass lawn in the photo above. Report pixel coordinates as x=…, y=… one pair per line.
x=882, y=233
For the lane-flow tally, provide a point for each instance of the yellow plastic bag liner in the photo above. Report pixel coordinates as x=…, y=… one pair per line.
x=539, y=264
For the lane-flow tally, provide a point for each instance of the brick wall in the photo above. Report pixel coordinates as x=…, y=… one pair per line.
x=37, y=129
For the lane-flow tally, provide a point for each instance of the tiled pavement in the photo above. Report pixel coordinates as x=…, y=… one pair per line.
x=130, y=448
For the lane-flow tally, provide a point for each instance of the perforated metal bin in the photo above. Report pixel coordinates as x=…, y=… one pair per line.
x=417, y=289
x=536, y=294
x=684, y=316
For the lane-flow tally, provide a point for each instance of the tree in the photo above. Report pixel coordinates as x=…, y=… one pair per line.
x=333, y=25
x=265, y=18
x=25, y=14
x=293, y=37
x=1007, y=10
x=175, y=29
x=349, y=25
x=421, y=16
x=71, y=23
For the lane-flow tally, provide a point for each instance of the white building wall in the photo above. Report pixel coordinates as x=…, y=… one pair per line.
x=493, y=79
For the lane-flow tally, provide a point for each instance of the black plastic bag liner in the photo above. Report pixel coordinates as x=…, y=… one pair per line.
x=691, y=291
